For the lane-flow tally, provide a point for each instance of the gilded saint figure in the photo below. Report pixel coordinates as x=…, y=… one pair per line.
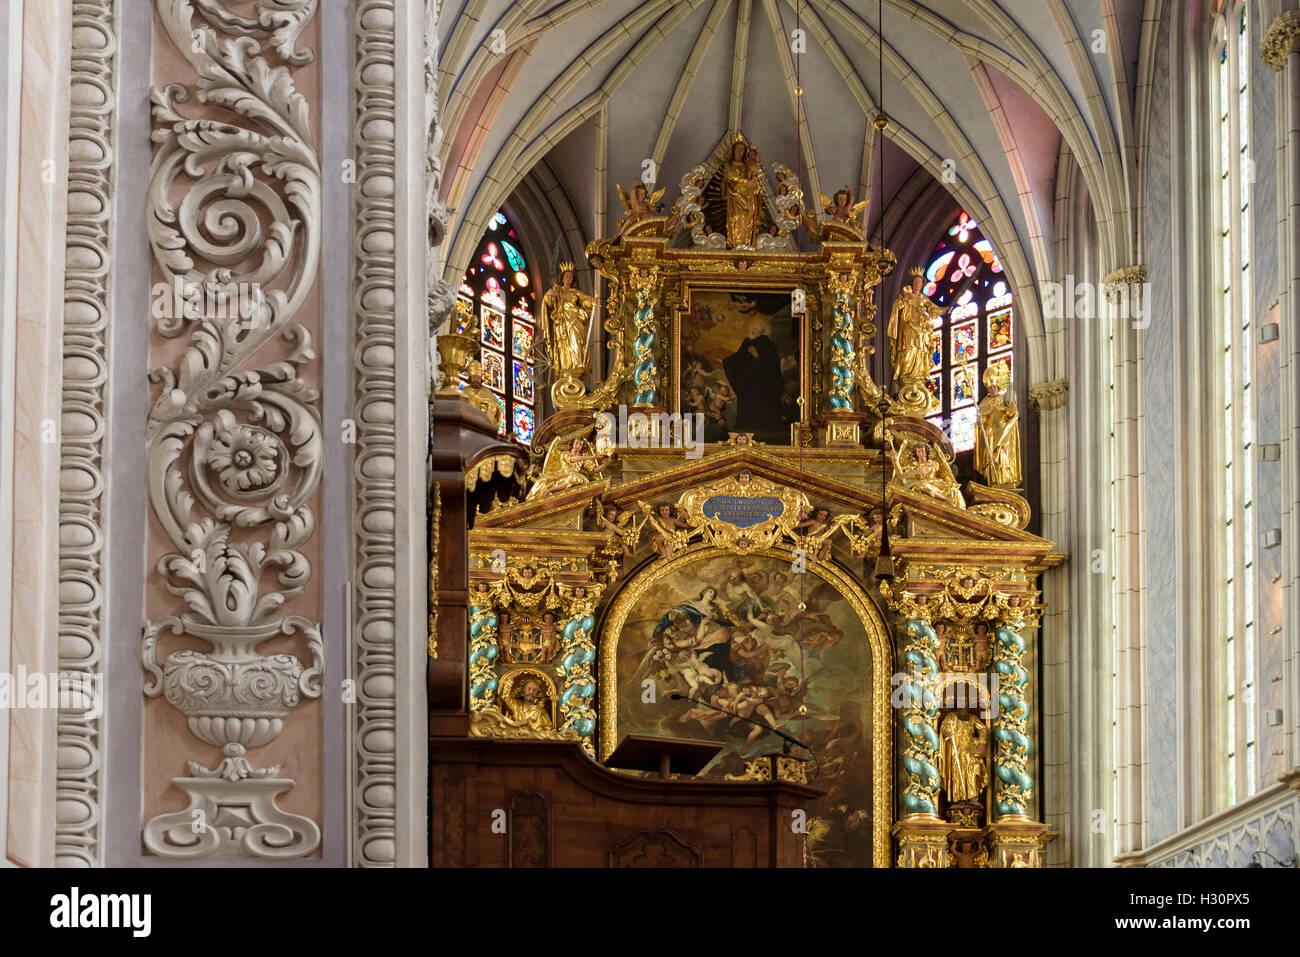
x=997, y=440
x=910, y=323
x=529, y=708
x=565, y=318
x=961, y=759
x=741, y=191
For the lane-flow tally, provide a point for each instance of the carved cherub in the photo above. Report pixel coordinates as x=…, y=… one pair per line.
x=673, y=528
x=623, y=528
x=639, y=205
x=842, y=208
x=814, y=530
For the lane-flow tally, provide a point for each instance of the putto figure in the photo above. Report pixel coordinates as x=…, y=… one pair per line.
x=842, y=209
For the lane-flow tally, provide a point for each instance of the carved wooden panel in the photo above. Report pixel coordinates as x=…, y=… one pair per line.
x=654, y=848
x=530, y=829
x=744, y=848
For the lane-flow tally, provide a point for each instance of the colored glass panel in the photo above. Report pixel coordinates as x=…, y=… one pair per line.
x=523, y=382
x=513, y=256
x=493, y=295
x=494, y=371
x=523, y=423
x=963, y=385
x=523, y=340
x=964, y=227
x=521, y=310
x=963, y=430
x=1001, y=296
x=936, y=349
x=999, y=330
x=493, y=328
x=935, y=385
x=965, y=343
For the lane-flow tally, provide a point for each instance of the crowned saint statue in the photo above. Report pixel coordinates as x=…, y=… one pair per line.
x=910, y=323
x=741, y=190
x=565, y=319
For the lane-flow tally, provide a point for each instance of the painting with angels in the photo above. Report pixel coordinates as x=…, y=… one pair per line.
x=728, y=633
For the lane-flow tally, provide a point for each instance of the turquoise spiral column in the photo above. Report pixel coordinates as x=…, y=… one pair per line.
x=578, y=654
x=920, y=711
x=843, y=358
x=645, y=374
x=482, y=655
x=1010, y=762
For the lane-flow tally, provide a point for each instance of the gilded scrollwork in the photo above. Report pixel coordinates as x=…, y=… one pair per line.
x=577, y=696
x=644, y=284
x=1011, y=758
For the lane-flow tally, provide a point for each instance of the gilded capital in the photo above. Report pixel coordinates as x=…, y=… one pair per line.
x=1281, y=39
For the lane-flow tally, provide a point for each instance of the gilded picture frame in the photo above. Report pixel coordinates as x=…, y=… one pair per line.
x=701, y=343
x=879, y=639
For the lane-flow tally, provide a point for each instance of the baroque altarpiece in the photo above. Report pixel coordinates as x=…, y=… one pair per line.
x=736, y=530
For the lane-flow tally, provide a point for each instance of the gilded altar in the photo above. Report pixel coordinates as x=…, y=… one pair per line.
x=738, y=530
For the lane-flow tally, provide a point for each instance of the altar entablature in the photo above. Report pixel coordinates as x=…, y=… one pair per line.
x=657, y=291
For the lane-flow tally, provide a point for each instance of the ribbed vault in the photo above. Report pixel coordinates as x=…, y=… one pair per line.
x=982, y=96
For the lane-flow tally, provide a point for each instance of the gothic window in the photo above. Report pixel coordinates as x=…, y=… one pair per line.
x=498, y=289
x=965, y=276
x=1232, y=166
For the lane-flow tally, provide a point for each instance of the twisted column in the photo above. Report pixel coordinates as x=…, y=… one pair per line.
x=843, y=352
x=645, y=374
x=482, y=655
x=920, y=713
x=579, y=651
x=1010, y=762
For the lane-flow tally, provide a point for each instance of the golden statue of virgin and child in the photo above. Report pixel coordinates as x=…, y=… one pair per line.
x=911, y=321
x=742, y=190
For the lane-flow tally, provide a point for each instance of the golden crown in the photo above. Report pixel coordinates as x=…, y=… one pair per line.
x=566, y=266
x=474, y=367
x=916, y=271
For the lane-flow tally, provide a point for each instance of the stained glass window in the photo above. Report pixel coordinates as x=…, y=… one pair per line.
x=523, y=340
x=498, y=284
x=965, y=276
x=1232, y=179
